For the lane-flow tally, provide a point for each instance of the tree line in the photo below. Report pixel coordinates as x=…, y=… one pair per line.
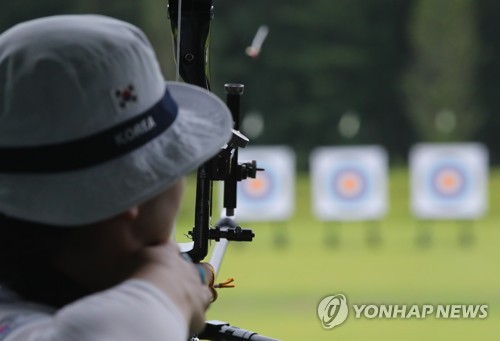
x=341, y=72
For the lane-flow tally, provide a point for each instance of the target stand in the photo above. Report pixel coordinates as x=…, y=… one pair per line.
x=449, y=183
x=350, y=185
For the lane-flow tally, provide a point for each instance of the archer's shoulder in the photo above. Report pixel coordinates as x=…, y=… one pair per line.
x=15, y=314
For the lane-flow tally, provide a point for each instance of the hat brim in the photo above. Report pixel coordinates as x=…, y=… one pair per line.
x=201, y=128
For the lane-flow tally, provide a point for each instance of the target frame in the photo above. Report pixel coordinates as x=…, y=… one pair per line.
x=468, y=161
x=366, y=163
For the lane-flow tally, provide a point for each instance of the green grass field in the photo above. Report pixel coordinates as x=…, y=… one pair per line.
x=283, y=275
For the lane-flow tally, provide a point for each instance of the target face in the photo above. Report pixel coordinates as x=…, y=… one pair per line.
x=259, y=190
x=349, y=183
x=449, y=181
x=271, y=195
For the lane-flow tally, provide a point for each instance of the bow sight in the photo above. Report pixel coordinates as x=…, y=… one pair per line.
x=190, y=22
x=222, y=167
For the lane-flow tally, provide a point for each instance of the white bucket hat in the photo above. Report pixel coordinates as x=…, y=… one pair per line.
x=88, y=126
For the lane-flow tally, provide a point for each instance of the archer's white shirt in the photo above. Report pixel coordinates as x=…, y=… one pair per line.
x=135, y=310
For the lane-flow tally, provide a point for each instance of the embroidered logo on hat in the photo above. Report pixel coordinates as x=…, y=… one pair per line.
x=125, y=96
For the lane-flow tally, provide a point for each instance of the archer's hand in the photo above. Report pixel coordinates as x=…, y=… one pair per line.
x=164, y=267
x=209, y=278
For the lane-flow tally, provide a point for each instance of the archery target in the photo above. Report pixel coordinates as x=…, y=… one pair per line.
x=271, y=195
x=349, y=183
x=259, y=191
x=449, y=181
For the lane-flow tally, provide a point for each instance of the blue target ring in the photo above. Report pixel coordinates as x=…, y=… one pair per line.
x=349, y=185
x=448, y=182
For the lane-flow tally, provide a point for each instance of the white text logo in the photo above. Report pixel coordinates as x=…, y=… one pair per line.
x=139, y=129
x=333, y=311
x=440, y=311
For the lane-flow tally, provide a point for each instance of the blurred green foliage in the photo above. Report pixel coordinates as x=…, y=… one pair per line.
x=410, y=70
